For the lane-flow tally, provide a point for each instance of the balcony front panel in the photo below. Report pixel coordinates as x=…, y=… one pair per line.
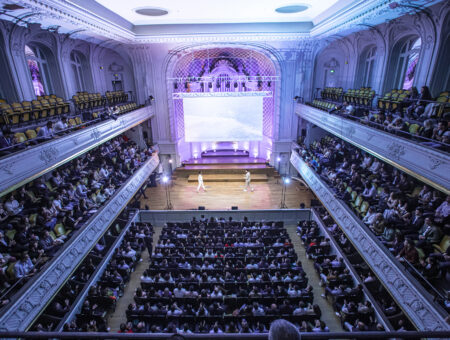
x=34, y=296
x=31, y=163
x=408, y=293
x=426, y=164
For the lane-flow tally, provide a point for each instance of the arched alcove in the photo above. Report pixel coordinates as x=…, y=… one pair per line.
x=7, y=88
x=366, y=67
x=223, y=69
x=44, y=72
x=80, y=71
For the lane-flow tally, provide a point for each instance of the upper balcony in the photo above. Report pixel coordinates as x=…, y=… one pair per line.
x=425, y=163
x=24, y=166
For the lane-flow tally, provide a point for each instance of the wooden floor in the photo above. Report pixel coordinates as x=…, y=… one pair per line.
x=222, y=196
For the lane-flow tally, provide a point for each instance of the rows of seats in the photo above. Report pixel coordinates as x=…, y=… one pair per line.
x=361, y=97
x=409, y=217
x=42, y=108
x=324, y=105
x=31, y=134
x=218, y=276
x=116, y=97
x=332, y=93
x=393, y=99
x=85, y=100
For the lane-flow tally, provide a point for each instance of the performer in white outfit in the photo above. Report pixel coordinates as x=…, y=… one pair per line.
x=200, y=182
x=247, y=181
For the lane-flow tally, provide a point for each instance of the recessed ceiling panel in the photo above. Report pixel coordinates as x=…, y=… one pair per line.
x=160, y=12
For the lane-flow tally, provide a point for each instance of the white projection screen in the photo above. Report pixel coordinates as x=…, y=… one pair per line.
x=223, y=118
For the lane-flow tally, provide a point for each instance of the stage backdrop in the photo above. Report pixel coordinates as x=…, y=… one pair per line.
x=223, y=117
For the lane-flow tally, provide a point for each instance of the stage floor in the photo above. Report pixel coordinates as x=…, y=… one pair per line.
x=222, y=196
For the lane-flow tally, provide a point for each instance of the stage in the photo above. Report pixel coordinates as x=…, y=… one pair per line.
x=224, y=181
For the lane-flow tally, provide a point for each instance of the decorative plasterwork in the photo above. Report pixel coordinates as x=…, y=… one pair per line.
x=408, y=293
x=29, y=164
x=36, y=293
x=70, y=17
x=426, y=164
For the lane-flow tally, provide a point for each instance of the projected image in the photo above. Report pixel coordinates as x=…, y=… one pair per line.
x=208, y=119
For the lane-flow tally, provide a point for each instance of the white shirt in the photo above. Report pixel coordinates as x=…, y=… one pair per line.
x=59, y=126
x=247, y=176
x=200, y=178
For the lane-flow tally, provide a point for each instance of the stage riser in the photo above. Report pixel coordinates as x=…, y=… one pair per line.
x=227, y=178
x=187, y=172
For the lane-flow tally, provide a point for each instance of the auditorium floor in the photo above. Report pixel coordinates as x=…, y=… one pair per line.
x=328, y=316
x=220, y=196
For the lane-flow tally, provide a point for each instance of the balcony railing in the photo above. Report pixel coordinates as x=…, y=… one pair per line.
x=23, y=167
x=33, y=297
x=426, y=164
x=408, y=293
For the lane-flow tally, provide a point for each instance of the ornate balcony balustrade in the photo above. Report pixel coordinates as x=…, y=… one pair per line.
x=426, y=164
x=34, y=296
x=408, y=293
x=31, y=163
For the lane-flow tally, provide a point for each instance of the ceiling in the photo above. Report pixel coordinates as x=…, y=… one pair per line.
x=218, y=11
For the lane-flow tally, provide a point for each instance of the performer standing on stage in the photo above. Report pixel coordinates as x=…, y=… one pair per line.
x=200, y=182
x=247, y=181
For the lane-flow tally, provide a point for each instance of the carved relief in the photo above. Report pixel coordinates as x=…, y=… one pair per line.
x=396, y=150
x=49, y=154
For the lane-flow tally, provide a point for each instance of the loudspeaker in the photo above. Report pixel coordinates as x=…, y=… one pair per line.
x=201, y=207
x=234, y=208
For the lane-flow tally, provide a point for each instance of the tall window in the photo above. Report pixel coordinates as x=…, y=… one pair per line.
x=369, y=63
x=77, y=68
x=407, y=63
x=39, y=70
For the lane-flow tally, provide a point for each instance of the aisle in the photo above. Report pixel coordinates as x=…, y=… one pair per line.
x=119, y=316
x=328, y=315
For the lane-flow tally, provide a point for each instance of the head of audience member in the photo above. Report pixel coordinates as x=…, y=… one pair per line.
x=283, y=330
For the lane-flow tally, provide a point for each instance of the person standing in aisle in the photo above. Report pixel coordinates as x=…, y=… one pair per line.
x=200, y=182
x=247, y=181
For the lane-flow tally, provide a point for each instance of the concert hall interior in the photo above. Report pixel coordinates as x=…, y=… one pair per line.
x=263, y=169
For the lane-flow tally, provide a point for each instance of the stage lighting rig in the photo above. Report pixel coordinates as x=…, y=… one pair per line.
x=286, y=181
x=166, y=183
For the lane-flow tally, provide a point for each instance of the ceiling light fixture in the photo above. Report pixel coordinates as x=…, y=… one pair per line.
x=151, y=11
x=295, y=8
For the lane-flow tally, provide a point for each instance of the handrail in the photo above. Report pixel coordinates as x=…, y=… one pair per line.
x=77, y=303
x=379, y=312
x=194, y=336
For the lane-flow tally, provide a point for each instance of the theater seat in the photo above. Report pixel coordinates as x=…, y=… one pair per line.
x=443, y=245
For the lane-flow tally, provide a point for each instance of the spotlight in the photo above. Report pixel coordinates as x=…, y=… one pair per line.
x=278, y=159
x=287, y=180
x=165, y=179
x=170, y=161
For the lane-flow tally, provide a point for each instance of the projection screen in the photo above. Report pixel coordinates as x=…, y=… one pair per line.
x=223, y=118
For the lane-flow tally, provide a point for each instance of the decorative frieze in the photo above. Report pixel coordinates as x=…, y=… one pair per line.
x=31, y=163
x=426, y=164
x=408, y=293
x=36, y=293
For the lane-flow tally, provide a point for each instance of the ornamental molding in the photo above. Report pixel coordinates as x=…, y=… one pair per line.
x=24, y=166
x=181, y=95
x=426, y=164
x=408, y=293
x=69, y=17
x=33, y=297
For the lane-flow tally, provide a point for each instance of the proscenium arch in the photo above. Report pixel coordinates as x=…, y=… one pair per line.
x=172, y=58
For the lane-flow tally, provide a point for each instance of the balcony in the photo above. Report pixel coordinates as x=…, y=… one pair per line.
x=33, y=297
x=415, y=301
x=426, y=164
x=24, y=166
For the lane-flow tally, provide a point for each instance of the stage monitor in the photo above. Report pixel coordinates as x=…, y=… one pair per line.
x=215, y=117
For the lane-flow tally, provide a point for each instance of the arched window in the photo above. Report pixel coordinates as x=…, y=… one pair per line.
x=368, y=66
x=39, y=70
x=407, y=63
x=76, y=62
